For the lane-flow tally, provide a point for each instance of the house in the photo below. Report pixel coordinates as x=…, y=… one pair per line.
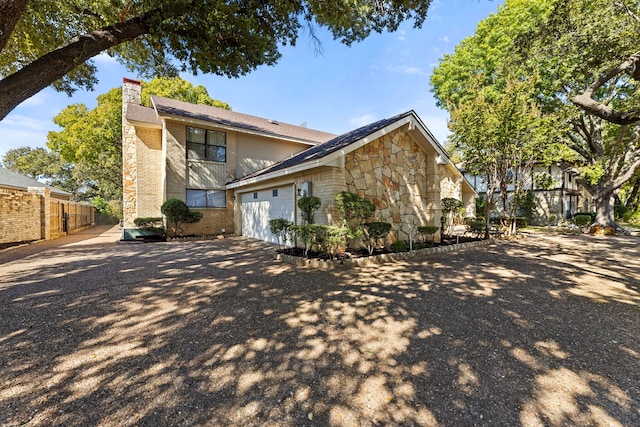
x=240, y=171
x=558, y=194
x=31, y=210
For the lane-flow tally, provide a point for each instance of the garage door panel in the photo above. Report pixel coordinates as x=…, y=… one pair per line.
x=260, y=207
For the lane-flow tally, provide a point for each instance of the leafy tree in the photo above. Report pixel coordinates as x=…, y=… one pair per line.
x=36, y=163
x=582, y=56
x=91, y=139
x=52, y=42
x=178, y=213
x=355, y=210
x=375, y=231
x=279, y=227
x=308, y=205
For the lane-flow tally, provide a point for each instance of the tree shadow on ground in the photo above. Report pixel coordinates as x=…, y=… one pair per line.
x=540, y=332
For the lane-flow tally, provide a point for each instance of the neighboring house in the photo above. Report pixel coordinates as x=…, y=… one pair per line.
x=31, y=210
x=240, y=171
x=562, y=199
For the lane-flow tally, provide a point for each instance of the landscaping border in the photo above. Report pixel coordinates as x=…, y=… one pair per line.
x=378, y=259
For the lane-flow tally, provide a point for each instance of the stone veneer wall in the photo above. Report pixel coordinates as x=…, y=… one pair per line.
x=131, y=93
x=394, y=172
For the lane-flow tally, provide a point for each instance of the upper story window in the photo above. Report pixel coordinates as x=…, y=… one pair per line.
x=205, y=144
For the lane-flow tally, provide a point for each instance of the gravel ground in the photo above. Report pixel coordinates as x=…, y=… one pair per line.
x=543, y=331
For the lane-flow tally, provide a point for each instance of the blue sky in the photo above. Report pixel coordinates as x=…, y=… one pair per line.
x=337, y=90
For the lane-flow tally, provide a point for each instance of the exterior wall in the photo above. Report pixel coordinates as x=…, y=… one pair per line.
x=400, y=178
x=256, y=152
x=326, y=182
x=19, y=211
x=27, y=215
x=450, y=183
x=131, y=93
x=149, y=179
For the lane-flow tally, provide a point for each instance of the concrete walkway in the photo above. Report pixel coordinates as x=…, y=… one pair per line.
x=96, y=235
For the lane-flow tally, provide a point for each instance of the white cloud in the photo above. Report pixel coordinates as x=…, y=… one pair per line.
x=401, y=35
x=104, y=59
x=22, y=131
x=406, y=69
x=362, y=120
x=444, y=39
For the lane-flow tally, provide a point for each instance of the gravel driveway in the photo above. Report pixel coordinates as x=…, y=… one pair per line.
x=540, y=332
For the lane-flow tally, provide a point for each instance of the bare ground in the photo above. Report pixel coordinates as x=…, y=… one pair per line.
x=539, y=332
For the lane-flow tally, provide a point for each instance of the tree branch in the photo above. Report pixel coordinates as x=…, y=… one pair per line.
x=42, y=72
x=586, y=102
x=10, y=13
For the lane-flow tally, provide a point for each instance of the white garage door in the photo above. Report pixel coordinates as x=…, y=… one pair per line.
x=261, y=206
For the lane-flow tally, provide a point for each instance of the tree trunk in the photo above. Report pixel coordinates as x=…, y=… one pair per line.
x=10, y=13
x=45, y=70
x=604, y=209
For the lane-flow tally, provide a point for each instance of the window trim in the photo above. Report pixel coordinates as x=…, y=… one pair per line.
x=206, y=198
x=206, y=144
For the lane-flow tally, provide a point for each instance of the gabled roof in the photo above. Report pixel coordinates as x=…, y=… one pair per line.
x=21, y=182
x=232, y=120
x=321, y=150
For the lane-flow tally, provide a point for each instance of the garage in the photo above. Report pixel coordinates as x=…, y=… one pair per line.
x=258, y=207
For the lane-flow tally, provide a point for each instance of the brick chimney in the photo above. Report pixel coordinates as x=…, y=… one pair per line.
x=131, y=91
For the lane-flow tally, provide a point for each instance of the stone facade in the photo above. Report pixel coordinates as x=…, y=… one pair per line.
x=131, y=93
x=396, y=174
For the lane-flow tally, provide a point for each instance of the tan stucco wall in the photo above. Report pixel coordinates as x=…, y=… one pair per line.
x=400, y=178
x=256, y=152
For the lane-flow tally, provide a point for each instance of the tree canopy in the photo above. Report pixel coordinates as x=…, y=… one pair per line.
x=45, y=42
x=583, y=55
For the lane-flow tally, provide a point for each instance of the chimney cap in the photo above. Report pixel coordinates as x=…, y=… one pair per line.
x=132, y=81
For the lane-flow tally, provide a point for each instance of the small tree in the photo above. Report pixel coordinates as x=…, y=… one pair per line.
x=375, y=231
x=308, y=205
x=355, y=210
x=451, y=207
x=428, y=230
x=177, y=213
x=279, y=228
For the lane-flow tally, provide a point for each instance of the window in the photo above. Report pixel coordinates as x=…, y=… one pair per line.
x=205, y=144
x=274, y=193
x=206, y=198
x=255, y=195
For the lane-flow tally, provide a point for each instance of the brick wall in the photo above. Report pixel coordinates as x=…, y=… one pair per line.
x=19, y=214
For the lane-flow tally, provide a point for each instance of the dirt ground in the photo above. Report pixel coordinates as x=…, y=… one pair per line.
x=543, y=331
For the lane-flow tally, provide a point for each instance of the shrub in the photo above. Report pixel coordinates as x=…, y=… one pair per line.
x=591, y=214
x=279, y=228
x=398, y=246
x=619, y=210
x=308, y=205
x=148, y=222
x=582, y=220
x=310, y=234
x=428, y=230
x=177, y=213
x=477, y=227
x=335, y=239
x=354, y=209
x=376, y=230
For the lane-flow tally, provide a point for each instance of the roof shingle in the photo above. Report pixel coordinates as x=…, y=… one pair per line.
x=238, y=120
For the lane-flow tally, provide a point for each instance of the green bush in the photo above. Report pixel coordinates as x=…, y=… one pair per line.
x=619, y=210
x=148, y=222
x=477, y=227
x=428, y=230
x=631, y=217
x=592, y=215
x=376, y=230
x=582, y=220
x=279, y=228
x=177, y=213
x=398, y=246
x=308, y=205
